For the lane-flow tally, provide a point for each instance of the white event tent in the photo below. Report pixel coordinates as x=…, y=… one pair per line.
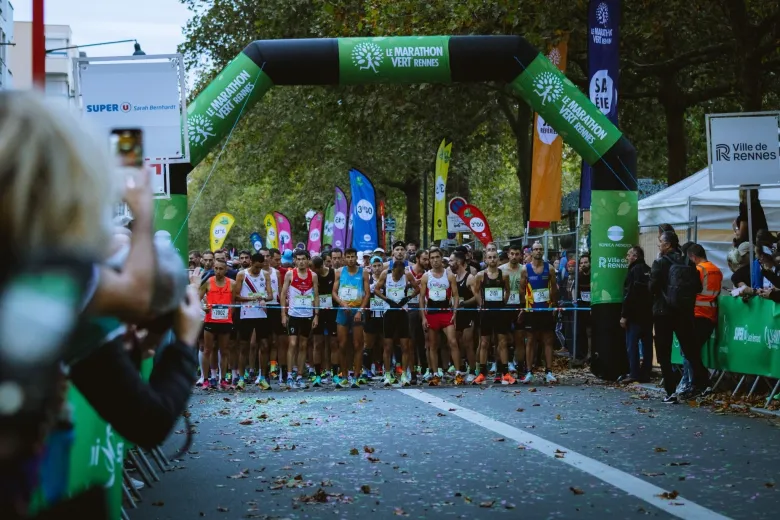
x=691, y=199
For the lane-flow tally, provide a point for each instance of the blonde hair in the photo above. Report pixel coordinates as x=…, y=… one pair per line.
x=58, y=186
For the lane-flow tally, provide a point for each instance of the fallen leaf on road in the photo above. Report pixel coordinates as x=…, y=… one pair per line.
x=500, y=439
x=365, y=489
x=244, y=474
x=158, y=504
x=576, y=490
x=368, y=449
x=303, y=402
x=262, y=416
x=222, y=509
x=246, y=422
x=536, y=404
x=487, y=504
x=559, y=454
x=296, y=423
x=373, y=459
x=660, y=450
x=354, y=451
x=532, y=389
x=224, y=411
x=451, y=410
x=467, y=499
x=669, y=495
x=558, y=417
x=400, y=512
x=521, y=447
x=769, y=484
x=226, y=399
x=679, y=463
x=441, y=414
x=653, y=474
x=521, y=409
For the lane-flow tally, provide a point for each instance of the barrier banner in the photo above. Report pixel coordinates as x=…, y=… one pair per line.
x=271, y=232
x=747, y=338
x=440, y=185
x=327, y=226
x=285, y=232
x=341, y=213
x=315, y=234
x=603, y=71
x=547, y=158
x=363, y=220
x=220, y=227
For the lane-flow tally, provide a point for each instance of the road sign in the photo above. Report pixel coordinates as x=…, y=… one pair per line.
x=390, y=224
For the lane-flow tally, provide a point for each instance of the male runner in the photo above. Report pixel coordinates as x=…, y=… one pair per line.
x=411, y=251
x=218, y=291
x=325, y=332
x=337, y=258
x=245, y=259
x=398, y=255
x=419, y=340
x=278, y=349
x=541, y=292
x=397, y=287
x=300, y=302
x=373, y=327
x=440, y=307
x=351, y=293
x=253, y=290
x=492, y=295
x=464, y=323
x=514, y=271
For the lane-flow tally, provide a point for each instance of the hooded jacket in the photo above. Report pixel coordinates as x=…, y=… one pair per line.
x=637, y=301
x=659, y=279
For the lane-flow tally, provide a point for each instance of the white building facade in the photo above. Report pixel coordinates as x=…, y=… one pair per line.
x=6, y=37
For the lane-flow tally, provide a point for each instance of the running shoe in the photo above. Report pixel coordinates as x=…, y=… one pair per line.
x=251, y=375
x=290, y=383
x=273, y=370
x=451, y=371
x=398, y=370
x=337, y=380
x=427, y=375
x=205, y=385
x=459, y=379
x=440, y=374
x=418, y=371
x=317, y=382
x=353, y=382
x=508, y=379
x=247, y=374
x=300, y=383
x=434, y=381
x=224, y=385
x=199, y=382
x=213, y=383
x=670, y=399
x=550, y=378
x=512, y=368
x=479, y=380
x=492, y=369
x=362, y=380
x=497, y=379
x=241, y=384
x=528, y=378
x=325, y=377
x=262, y=383
x=470, y=378
x=405, y=380
x=229, y=377
x=389, y=380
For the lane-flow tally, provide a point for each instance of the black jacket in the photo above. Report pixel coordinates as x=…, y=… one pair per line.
x=143, y=413
x=637, y=301
x=659, y=279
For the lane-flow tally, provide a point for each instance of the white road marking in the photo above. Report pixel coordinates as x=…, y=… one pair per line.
x=679, y=507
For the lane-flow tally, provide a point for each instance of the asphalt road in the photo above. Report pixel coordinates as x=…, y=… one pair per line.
x=568, y=451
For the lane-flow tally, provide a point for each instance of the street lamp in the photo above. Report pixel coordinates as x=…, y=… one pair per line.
x=138, y=51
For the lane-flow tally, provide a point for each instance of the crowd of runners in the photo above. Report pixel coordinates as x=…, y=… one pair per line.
x=346, y=318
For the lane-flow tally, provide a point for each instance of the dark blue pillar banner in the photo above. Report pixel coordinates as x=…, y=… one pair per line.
x=603, y=72
x=364, y=234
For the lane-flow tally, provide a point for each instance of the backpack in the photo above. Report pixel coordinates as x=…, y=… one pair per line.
x=683, y=285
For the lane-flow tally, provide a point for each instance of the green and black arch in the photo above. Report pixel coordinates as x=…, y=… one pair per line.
x=451, y=59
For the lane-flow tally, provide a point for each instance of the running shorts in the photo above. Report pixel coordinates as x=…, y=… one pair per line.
x=396, y=324
x=299, y=326
x=326, y=325
x=464, y=319
x=543, y=321
x=346, y=318
x=260, y=326
x=373, y=325
x=275, y=320
x=439, y=320
x=218, y=328
x=493, y=321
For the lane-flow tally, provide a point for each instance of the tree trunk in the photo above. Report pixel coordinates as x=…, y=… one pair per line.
x=412, y=191
x=673, y=101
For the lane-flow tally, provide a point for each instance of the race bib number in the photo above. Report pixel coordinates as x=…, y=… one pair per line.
x=377, y=304
x=494, y=294
x=437, y=294
x=303, y=301
x=348, y=293
x=541, y=295
x=395, y=293
x=514, y=298
x=326, y=302
x=219, y=313
x=585, y=295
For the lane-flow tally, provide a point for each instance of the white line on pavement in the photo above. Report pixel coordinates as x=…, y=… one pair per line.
x=679, y=507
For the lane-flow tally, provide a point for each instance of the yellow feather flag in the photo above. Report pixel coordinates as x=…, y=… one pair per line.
x=220, y=227
x=440, y=204
x=271, y=232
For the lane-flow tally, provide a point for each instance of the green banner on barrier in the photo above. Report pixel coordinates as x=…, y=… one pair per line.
x=215, y=111
x=170, y=216
x=398, y=59
x=581, y=124
x=747, y=339
x=614, y=217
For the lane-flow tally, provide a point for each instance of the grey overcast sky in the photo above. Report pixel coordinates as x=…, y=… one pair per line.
x=156, y=24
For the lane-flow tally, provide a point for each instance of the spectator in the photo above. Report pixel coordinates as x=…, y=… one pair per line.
x=674, y=284
x=757, y=215
x=637, y=317
x=583, y=300
x=739, y=262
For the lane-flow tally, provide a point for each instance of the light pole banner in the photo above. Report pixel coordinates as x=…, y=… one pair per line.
x=603, y=71
x=315, y=234
x=350, y=223
x=477, y=222
x=440, y=204
x=220, y=227
x=271, y=232
x=136, y=95
x=364, y=235
x=327, y=227
x=340, y=216
x=285, y=232
x=256, y=241
x=614, y=230
x=546, y=161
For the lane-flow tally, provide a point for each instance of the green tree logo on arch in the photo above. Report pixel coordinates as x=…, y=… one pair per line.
x=199, y=129
x=548, y=87
x=367, y=55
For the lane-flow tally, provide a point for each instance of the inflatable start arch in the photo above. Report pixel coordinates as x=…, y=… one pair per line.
x=450, y=59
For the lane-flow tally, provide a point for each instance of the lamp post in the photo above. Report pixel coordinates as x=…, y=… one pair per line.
x=38, y=46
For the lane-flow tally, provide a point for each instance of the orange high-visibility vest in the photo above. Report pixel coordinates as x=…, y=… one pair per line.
x=707, y=299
